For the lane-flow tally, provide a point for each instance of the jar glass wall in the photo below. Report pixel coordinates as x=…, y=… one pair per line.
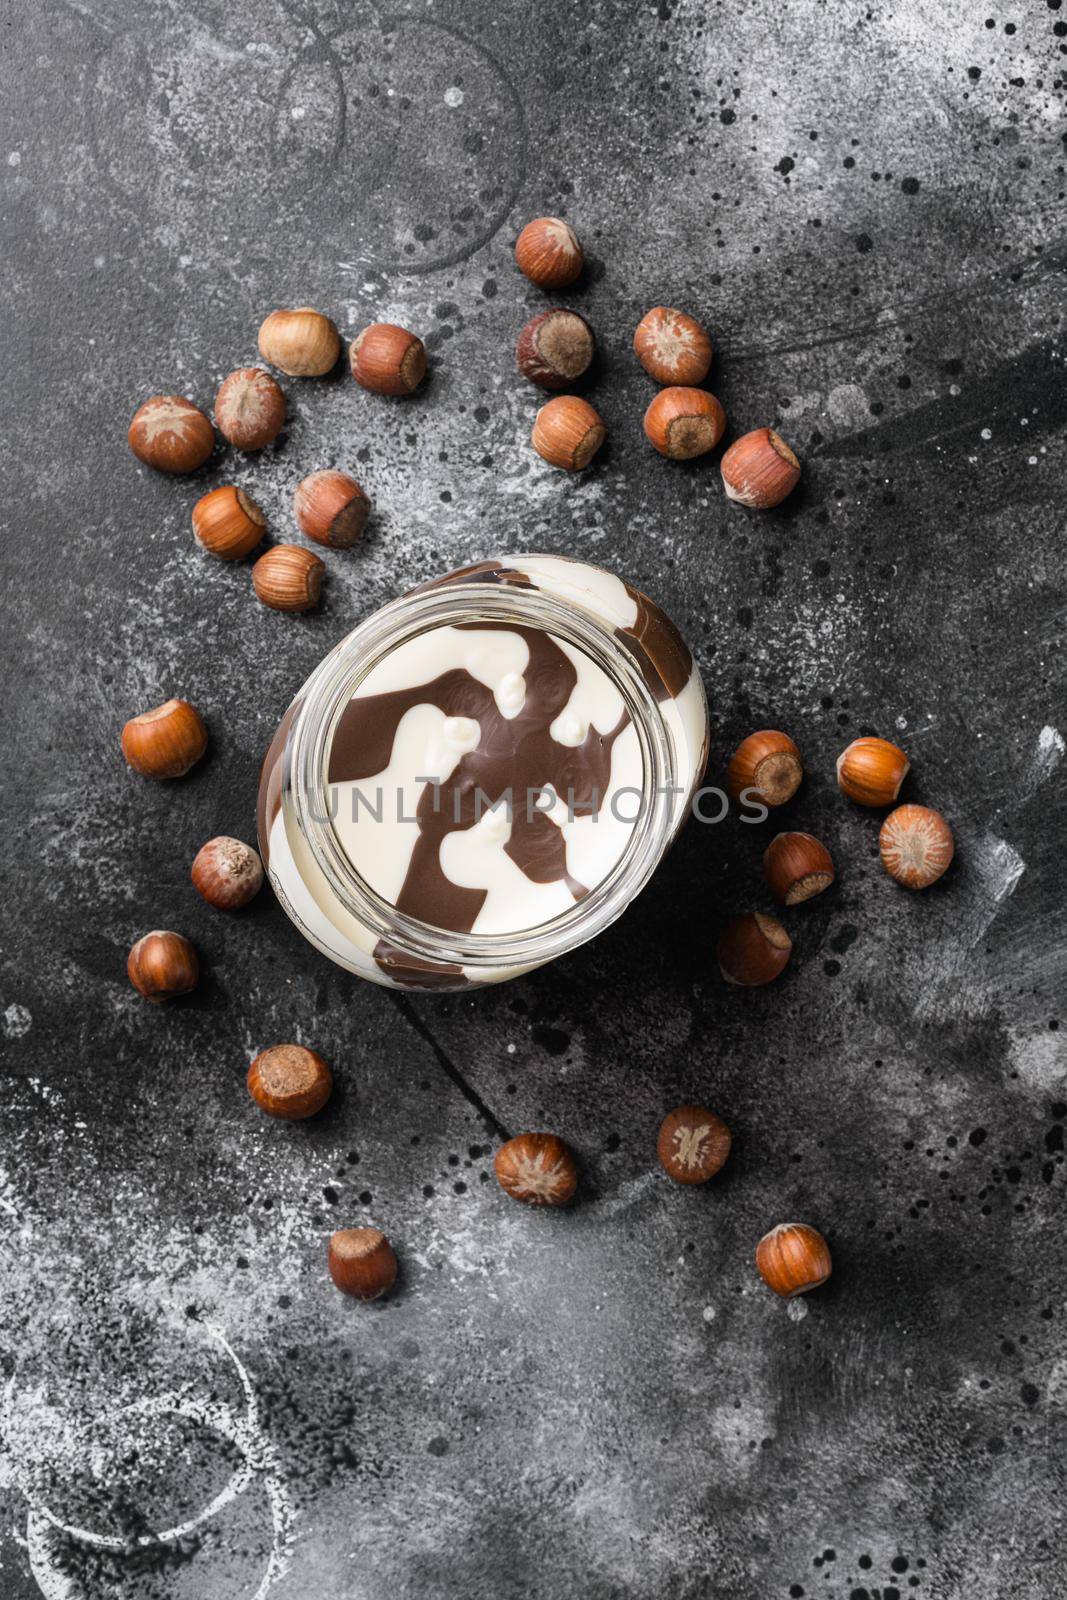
x=483, y=774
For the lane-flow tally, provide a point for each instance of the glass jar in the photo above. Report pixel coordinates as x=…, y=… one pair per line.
x=565, y=729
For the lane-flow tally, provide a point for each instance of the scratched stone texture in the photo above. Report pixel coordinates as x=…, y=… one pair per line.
x=864, y=201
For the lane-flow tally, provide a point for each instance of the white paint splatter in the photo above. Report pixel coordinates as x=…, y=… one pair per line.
x=1039, y=1058
x=848, y=406
x=1045, y=760
x=628, y=1195
x=8, y=1197
x=46, y=1533
x=1056, y=1387
x=998, y=867
x=17, y=1021
x=993, y=871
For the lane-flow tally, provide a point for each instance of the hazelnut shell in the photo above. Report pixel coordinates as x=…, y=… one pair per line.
x=162, y=965
x=250, y=408
x=170, y=434
x=672, y=347
x=797, y=867
x=361, y=1262
x=227, y=523
x=769, y=762
x=302, y=342
x=289, y=578
x=567, y=432
x=331, y=508
x=759, y=469
x=290, y=1081
x=753, y=950
x=548, y=253
x=682, y=423
x=536, y=1168
x=871, y=771
x=227, y=873
x=916, y=846
x=387, y=359
x=693, y=1144
x=166, y=741
x=555, y=349
x=793, y=1258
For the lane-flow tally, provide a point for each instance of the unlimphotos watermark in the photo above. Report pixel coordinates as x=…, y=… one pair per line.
x=466, y=806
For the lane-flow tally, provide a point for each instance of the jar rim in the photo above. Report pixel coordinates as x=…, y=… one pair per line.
x=329, y=690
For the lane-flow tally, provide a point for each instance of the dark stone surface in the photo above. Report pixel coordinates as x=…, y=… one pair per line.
x=865, y=204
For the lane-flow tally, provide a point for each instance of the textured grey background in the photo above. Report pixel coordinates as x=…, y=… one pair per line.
x=864, y=201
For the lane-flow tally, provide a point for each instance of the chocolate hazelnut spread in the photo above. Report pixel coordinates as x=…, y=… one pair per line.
x=484, y=777
x=524, y=749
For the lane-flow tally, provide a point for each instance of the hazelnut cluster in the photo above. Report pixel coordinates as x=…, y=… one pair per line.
x=556, y=348
x=555, y=351
x=288, y=1081
x=292, y=1082
x=915, y=843
x=171, y=434
x=692, y=1146
x=167, y=742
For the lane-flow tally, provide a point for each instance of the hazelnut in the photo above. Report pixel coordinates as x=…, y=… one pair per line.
x=250, y=408
x=797, y=867
x=768, y=762
x=759, y=469
x=162, y=965
x=290, y=1081
x=288, y=578
x=793, y=1258
x=683, y=423
x=171, y=434
x=536, y=1168
x=331, y=508
x=567, y=432
x=165, y=742
x=227, y=873
x=548, y=253
x=362, y=1262
x=228, y=523
x=871, y=771
x=916, y=846
x=753, y=950
x=693, y=1144
x=672, y=347
x=388, y=359
x=555, y=348
x=303, y=343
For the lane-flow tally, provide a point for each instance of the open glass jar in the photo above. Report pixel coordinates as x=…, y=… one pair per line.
x=483, y=774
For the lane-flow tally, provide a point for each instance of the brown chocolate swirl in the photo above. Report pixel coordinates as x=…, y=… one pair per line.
x=516, y=758
x=662, y=655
